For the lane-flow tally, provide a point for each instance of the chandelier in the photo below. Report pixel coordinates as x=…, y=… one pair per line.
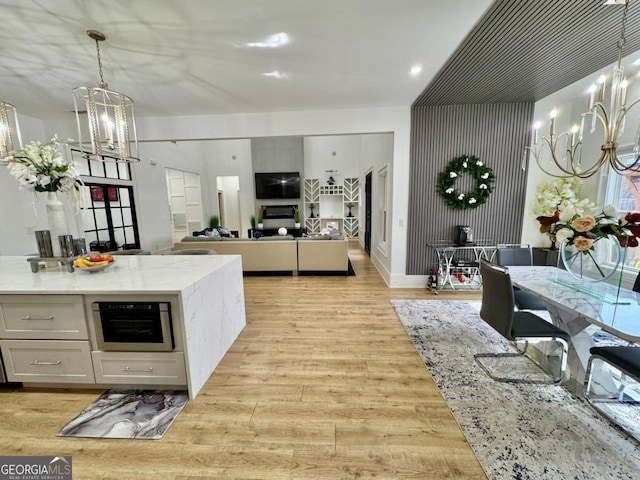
x=565, y=149
x=110, y=123
x=9, y=131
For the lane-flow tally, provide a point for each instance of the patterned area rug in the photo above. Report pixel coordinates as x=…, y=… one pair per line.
x=517, y=431
x=145, y=414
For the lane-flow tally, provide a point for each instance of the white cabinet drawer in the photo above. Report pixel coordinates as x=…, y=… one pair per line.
x=52, y=361
x=142, y=368
x=43, y=317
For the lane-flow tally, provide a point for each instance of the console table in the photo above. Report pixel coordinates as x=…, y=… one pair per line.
x=459, y=265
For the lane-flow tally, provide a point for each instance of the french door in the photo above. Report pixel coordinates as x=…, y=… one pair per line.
x=109, y=218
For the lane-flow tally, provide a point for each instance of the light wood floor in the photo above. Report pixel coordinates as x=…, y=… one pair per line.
x=323, y=383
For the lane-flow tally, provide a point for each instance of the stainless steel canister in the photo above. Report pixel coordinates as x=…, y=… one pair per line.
x=43, y=238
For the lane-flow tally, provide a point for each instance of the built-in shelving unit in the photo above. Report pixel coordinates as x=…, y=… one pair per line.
x=330, y=206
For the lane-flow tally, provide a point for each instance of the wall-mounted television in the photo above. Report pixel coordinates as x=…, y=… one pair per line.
x=277, y=185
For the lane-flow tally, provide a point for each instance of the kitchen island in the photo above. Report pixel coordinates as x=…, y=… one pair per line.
x=48, y=335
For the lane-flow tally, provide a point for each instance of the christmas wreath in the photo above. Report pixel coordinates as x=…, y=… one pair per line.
x=458, y=166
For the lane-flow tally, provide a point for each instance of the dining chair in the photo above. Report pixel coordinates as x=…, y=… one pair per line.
x=625, y=359
x=192, y=251
x=498, y=311
x=519, y=255
x=636, y=284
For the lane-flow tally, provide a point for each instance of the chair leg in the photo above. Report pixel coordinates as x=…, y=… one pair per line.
x=556, y=379
x=615, y=398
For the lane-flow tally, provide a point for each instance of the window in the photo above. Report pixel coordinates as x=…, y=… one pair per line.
x=109, y=216
x=109, y=219
x=623, y=192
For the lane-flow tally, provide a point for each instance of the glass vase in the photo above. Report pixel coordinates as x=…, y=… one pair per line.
x=57, y=218
x=595, y=265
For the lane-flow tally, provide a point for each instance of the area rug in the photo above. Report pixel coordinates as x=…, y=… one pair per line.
x=141, y=414
x=517, y=431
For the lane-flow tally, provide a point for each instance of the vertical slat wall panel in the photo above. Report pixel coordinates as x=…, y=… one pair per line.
x=497, y=134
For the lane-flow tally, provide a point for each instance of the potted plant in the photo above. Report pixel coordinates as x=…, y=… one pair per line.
x=259, y=217
x=349, y=205
x=252, y=220
x=214, y=221
x=311, y=207
x=296, y=217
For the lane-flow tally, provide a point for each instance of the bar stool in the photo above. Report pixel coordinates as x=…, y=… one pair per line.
x=626, y=359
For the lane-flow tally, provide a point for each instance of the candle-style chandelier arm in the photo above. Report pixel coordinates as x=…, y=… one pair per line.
x=567, y=162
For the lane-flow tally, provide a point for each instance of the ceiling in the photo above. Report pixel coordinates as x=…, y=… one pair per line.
x=192, y=57
x=523, y=51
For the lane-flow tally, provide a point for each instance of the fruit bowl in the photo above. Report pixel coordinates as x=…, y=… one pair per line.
x=93, y=263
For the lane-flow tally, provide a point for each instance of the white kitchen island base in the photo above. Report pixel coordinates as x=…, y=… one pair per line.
x=48, y=336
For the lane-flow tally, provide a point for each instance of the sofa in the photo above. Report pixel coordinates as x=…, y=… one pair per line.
x=321, y=253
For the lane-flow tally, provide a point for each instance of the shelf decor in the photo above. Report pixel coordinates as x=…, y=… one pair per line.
x=466, y=164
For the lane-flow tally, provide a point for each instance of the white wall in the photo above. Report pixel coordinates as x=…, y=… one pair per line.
x=20, y=211
x=313, y=123
x=151, y=200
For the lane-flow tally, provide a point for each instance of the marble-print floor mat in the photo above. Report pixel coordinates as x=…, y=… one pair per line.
x=143, y=414
x=517, y=431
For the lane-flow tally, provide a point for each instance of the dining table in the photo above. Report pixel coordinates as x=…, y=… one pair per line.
x=575, y=305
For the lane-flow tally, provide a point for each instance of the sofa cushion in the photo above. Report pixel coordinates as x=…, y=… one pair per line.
x=275, y=237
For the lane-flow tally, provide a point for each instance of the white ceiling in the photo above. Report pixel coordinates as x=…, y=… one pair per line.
x=191, y=57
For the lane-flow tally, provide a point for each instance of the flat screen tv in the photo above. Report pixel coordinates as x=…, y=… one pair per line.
x=278, y=185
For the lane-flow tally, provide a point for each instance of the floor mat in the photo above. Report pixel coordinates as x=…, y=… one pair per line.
x=143, y=414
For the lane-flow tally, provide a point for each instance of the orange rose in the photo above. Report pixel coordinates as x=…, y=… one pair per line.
x=582, y=244
x=584, y=224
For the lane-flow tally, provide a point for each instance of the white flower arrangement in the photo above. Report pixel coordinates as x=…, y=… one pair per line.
x=453, y=174
x=561, y=194
x=42, y=168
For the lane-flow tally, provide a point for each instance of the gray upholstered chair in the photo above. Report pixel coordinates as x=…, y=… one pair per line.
x=520, y=255
x=636, y=284
x=133, y=251
x=626, y=359
x=498, y=310
x=192, y=251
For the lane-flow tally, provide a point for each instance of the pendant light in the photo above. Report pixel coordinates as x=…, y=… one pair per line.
x=110, y=122
x=10, y=140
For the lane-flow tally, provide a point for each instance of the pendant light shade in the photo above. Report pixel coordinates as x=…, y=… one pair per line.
x=10, y=139
x=105, y=119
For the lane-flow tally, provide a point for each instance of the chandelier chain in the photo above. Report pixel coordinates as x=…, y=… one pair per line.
x=623, y=39
x=102, y=83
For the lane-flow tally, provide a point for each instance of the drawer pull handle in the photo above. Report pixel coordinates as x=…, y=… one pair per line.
x=145, y=370
x=38, y=362
x=39, y=317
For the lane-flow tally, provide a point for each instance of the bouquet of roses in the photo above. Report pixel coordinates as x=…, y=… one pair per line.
x=582, y=231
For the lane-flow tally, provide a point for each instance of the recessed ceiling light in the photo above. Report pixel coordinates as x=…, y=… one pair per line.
x=415, y=70
x=275, y=74
x=274, y=41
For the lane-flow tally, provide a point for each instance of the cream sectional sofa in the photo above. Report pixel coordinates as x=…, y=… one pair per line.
x=277, y=254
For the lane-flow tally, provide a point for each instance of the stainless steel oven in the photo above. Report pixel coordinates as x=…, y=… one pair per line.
x=133, y=326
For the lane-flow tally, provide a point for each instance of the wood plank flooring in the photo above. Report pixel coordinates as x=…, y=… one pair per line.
x=323, y=383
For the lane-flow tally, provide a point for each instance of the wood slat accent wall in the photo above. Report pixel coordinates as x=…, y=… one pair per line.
x=523, y=51
x=497, y=134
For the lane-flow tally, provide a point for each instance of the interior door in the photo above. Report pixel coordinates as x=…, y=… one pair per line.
x=367, y=213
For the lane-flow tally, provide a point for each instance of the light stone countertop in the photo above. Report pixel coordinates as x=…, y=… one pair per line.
x=147, y=274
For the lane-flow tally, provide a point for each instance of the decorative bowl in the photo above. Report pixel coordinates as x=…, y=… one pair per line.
x=97, y=268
